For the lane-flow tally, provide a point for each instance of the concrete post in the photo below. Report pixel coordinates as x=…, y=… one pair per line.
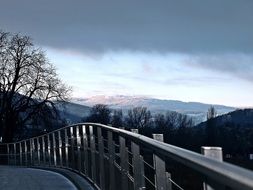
x=158, y=137
x=138, y=165
x=135, y=131
x=160, y=167
x=214, y=153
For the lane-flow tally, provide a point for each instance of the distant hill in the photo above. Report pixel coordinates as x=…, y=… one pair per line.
x=242, y=117
x=194, y=109
x=72, y=112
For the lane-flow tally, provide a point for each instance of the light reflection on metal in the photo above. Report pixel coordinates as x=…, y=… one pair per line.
x=60, y=147
x=114, y=158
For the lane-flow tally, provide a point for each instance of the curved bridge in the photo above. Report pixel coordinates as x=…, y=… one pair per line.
x=117, y=159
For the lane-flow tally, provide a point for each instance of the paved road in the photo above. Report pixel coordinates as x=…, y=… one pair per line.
x=12, y=178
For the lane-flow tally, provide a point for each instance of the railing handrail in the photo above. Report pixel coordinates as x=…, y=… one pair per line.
x=222, y=172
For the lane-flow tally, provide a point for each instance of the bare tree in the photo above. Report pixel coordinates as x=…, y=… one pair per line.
x=29, y=84
x=184, y=121
x=211, y=132
x=167, y=122
x=211, y=113
x=171, y=119
x=100, y=113
x=117, y=118
x=160, y=121
x=139, y=117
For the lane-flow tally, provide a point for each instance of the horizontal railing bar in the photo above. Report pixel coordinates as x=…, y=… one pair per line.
x=149, y=165
x=175, y=184
x=150, y=182
x=130, y=164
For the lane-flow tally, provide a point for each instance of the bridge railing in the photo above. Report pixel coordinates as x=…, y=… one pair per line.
x=114, y=159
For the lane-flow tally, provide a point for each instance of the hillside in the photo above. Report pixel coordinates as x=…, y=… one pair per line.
x=72, y=112
x=243, y=117
x=194, y=109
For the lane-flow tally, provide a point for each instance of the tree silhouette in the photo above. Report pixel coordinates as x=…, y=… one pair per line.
x=100, y=113
x=211, y=113
x=29, y=85
x=117, y=119
x=139, y=117
x=211, y=132
x=160, y=122
x=172, y=118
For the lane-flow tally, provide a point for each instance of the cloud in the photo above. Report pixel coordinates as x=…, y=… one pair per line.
x=143, y=25
x=239, y=65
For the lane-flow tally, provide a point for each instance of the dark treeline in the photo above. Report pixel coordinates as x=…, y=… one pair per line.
x=179, y=130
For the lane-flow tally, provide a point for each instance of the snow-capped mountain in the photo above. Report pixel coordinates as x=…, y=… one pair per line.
x=195, y=109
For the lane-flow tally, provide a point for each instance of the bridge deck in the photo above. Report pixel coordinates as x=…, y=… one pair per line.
x=12, y=178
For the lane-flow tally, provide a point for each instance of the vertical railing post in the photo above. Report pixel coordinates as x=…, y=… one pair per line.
x=43, y=150
x=60, y=147
x=31, y=150
x=160, y=163
x=15, y=153
x=20, y=154
x=124, y=163
x=93, y=152
x=111, y=147
x=214, y=153
x=168, y=181
x=78, y=142
x=160, y=167
x=85, y=150
x=26, y=156
x=72, y=147
x=8, y=153
x=101, y=158
x=54, y=149
x=38, y=149
x=35, y=152
x=49, y=149
x=66, y=144
x=138, y=165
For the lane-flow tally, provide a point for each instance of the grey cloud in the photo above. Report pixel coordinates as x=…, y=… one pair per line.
x=170, y=81
x=239, y=65
x=194, y=81
x=143, y=25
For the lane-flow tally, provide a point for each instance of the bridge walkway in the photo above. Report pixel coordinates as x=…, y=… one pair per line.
x=18, y=178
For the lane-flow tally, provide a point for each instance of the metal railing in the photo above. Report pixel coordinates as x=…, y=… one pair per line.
x=114, y=159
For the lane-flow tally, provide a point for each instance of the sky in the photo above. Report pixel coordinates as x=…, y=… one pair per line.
x=189, y=50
